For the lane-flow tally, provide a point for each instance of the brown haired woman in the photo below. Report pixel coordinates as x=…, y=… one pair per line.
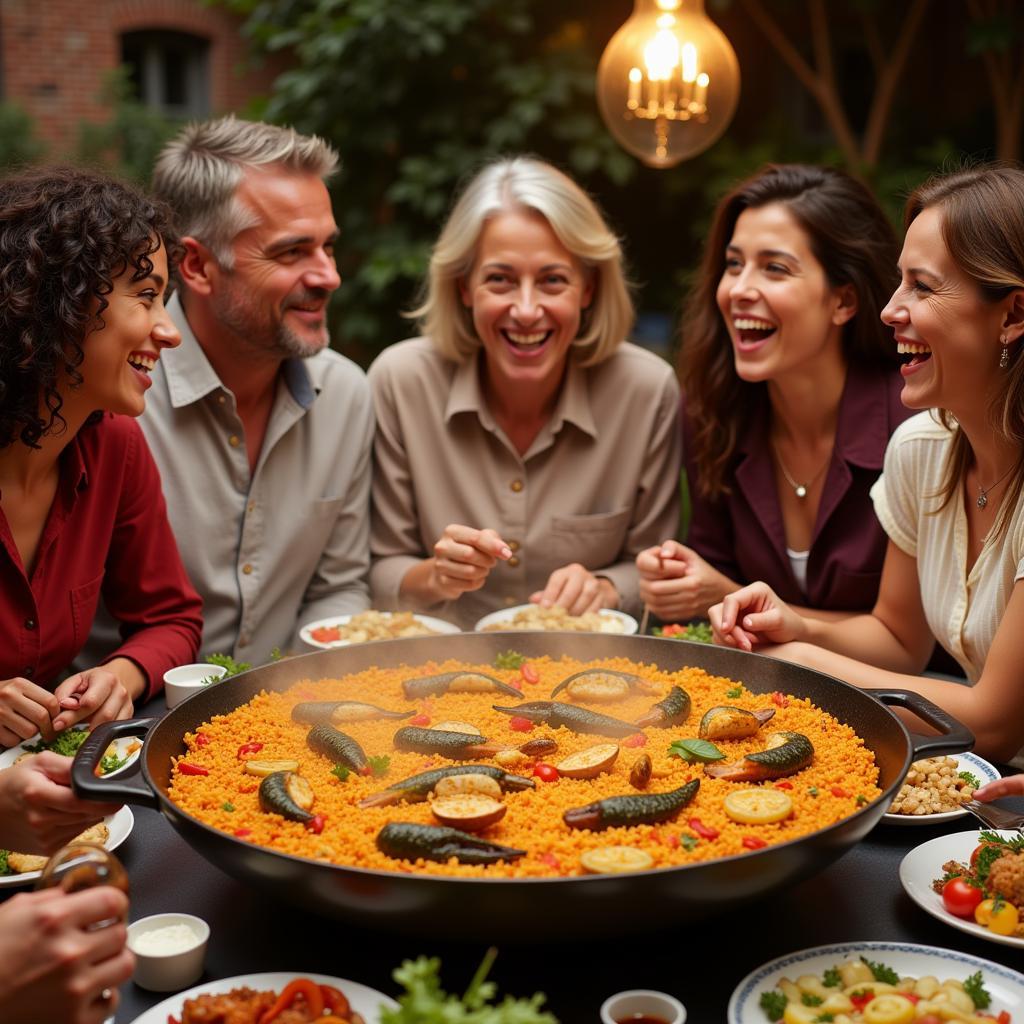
x=951, y=498
x=83, y=271
x=790, y=396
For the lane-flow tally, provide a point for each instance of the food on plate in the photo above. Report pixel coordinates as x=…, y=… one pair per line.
x=932, y=786
x=372, y=625
x=378, y=825
x=68, y=742
x=698, y=632
x=871, y=992
x=302, y=1001
x=20, y=863
x=535, y=617
x=990, y=888
x=786, y=754
x=599, y=685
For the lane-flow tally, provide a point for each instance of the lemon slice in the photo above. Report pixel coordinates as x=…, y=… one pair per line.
x=457, y=727
x=611, y=860
x=472, y=812
x=758, y=806
x=471, y=782
x=589, y=763
x=261, y=769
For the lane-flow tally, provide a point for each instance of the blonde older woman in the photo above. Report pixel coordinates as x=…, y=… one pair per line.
x=524, y=450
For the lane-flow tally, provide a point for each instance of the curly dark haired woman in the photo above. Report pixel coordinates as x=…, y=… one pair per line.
x=83, y=271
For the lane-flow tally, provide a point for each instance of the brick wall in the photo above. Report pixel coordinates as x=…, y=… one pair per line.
x=54, y=55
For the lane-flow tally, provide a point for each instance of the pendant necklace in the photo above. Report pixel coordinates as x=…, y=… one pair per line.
x=800, y=490
x=982, y=500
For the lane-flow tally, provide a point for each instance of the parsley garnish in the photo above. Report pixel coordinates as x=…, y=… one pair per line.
x=773, y=1004
x=824, y=1018
x=832, y=978
x=66, y=743
x=976, y=990
x=111, y=763
x=233, y=667
x=4, y=869
x=971, y=780
x=228, y=806
x=735, y=691
x=881, y=972
x=509, y=659
x=810, y=999
x=813, y=790
x=861, y=800
x=695, y=750
x=340, y=771
x=379, y=765
x=689, y=842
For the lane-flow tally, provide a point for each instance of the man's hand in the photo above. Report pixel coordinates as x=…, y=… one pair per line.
x=25, y=709
x=576, y=589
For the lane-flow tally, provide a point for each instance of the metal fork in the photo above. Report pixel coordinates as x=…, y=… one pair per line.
x=994, y=817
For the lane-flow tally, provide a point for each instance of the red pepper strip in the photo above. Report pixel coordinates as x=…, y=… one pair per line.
x=861, y=999
x=529, y=673
x=316, y=824
x=703, y=830
x=241, y=833
x=249, y=748
x=420, y=720
x=638, y=739
x=191, y=769
x=520, y=724
x=335, y=1001
x=202, y=740
x=839, y=791
x=300, y=986
x=781, y=699
x=783, y=785
x=753, y=843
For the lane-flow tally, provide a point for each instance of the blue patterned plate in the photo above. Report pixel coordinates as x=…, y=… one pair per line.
x=967, y=762
x=1004, y=985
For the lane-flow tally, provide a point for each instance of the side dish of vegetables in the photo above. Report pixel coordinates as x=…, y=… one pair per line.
x=870, y=992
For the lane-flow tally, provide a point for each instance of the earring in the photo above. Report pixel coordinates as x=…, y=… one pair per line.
x=1004, y=356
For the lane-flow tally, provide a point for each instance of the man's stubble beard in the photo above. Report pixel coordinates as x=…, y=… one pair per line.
x=262, y=334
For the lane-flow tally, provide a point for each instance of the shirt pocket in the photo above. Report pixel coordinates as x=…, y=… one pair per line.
x=83, y=609
x=595, y=541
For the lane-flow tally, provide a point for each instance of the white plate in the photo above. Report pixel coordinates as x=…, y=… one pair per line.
x=1004, y=985
x=365, y=1001
x=923, y=865
x=120, y=824
x=966, y=762
x=437, y=625
x=623, y=624
x=9, y=756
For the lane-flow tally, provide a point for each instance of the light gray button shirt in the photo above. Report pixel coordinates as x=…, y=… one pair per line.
x=599, y=483
x=289, y=543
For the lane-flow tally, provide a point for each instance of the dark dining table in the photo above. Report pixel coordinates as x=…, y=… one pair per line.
x=856, y=898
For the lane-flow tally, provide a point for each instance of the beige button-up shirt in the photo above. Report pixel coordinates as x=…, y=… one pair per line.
x=284, y=545
x=599, y=483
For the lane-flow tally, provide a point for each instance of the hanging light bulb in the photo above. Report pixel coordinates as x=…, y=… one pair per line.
x=668, y=82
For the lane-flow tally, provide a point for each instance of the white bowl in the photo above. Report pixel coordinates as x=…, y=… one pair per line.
x=171, y=971
x=185, y=680
x=642, y=1002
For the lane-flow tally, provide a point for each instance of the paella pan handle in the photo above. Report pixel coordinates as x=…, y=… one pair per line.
x=130, y=790
x=954, y=737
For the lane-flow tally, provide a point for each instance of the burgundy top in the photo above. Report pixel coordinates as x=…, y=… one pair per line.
x=742, y=534
x=106, y=531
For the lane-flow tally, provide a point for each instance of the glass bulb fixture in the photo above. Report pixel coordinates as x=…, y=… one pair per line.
x=668, y=82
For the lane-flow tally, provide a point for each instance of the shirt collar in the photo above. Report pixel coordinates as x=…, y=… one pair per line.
x=862, y=427
x=190, y=376
x=572, y=405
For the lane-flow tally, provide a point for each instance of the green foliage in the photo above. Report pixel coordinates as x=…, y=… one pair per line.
x=128, y=143
x=18, y=142
x=416, y=96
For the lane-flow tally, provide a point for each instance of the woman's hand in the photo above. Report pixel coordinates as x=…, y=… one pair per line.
x=55, y=963
x=1013, y=785
x=677, y=584
x=576, y=589
x=755, y=616
x=25, y=709
x=463, y=559
x=95, y=696
x=38, y=811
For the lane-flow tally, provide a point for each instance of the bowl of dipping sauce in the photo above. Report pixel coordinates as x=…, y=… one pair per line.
x=185, y=680
x=642, y=1006
x=169, y=951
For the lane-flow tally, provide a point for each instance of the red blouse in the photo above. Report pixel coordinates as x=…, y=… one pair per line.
x=107, y=531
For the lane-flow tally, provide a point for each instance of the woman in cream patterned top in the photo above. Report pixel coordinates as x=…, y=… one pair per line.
x=950, y=497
